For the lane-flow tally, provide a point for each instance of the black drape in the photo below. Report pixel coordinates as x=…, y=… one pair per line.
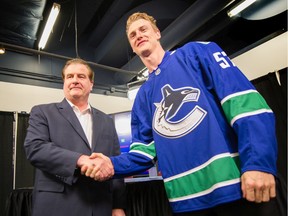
x=283, y=81
x=24, y=170
x=147, y=198
x=275, y=94
x=19, y=203
x=6, y=154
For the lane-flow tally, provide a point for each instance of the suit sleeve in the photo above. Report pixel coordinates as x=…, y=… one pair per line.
x=45, y=154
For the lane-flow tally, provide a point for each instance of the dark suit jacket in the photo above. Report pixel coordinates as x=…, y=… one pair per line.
x=54, y=142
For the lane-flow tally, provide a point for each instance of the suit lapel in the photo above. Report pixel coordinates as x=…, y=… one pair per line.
x=97, y=127
x=67, y=112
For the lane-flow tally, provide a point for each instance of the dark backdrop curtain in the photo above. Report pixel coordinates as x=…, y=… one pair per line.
x=6, y=154
x=275, y=94
x=19, y=203
x=24, y=170
x=147, y=199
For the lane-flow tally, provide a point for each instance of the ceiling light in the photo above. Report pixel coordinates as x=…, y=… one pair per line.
x=2, y=50
x=240, y=7
x=49, y=25
x=264, y=10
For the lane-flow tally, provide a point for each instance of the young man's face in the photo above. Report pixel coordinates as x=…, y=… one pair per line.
x=77, y=84
x=142, y=37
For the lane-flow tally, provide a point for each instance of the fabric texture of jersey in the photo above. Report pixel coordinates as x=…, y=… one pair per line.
x=205, y=123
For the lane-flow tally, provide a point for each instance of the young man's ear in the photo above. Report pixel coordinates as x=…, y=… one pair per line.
x=158, y=33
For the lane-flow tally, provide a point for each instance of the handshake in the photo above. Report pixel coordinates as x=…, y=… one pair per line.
x=96, y=166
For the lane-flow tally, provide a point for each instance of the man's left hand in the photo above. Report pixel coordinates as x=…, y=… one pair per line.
x=258, y=186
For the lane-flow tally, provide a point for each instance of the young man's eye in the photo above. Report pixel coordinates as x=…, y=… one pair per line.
x=144, y=29
x=132, y=36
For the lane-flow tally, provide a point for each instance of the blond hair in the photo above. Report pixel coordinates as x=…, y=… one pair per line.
x=79, y=61
x=137, y=16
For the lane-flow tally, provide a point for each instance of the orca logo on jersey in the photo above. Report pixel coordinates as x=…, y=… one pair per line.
x=170, y=105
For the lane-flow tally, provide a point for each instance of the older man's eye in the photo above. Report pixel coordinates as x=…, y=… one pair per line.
x=82, y=76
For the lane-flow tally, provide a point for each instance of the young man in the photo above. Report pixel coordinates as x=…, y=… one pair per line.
x=59, y=139
x=212, y=133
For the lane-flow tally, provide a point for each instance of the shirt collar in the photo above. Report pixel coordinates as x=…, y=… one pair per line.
x=74, y=107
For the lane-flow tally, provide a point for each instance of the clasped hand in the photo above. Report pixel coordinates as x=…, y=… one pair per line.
x=96, y=166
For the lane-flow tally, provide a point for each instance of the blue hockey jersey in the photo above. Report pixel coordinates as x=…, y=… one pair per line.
x=205, y=123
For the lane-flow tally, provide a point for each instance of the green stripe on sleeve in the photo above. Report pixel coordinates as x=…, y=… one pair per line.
x=245, y=103
x=144, y=148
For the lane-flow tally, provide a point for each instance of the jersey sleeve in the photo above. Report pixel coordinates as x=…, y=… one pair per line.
x=245, y=109
x=142, y=154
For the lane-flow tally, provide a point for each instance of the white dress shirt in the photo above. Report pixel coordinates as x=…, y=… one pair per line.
x=85, y=119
